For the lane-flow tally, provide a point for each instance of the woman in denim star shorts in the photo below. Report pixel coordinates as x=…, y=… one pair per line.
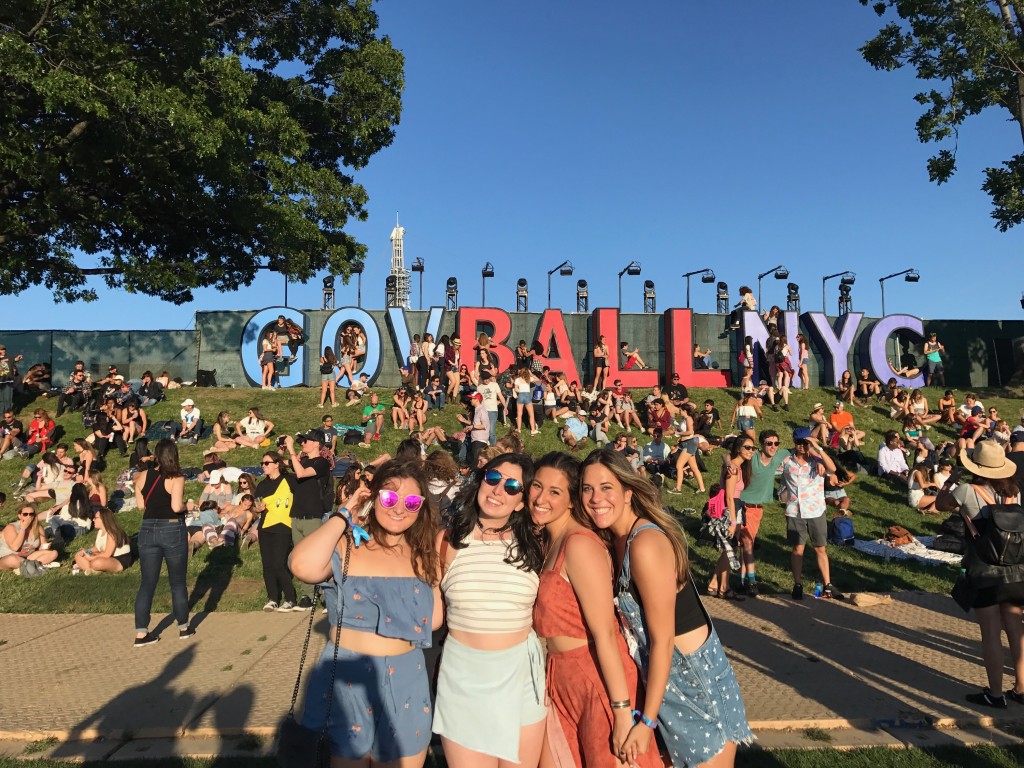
x=692, y=697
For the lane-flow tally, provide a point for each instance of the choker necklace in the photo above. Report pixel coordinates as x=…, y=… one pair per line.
x=492, y=531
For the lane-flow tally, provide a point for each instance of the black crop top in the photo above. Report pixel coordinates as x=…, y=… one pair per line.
x=690, y=611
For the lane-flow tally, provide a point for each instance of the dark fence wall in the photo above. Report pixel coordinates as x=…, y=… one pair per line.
x=133, y=352
x=979, y=353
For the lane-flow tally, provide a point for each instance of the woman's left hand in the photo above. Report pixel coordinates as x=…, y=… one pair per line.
x=622, y=722
x=637, y=743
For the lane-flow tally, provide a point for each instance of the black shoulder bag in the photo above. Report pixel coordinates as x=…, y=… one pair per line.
x=297, y=745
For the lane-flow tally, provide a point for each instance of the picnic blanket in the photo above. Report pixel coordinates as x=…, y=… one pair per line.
x=917, y=550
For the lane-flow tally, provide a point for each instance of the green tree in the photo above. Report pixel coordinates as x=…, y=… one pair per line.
x=972, y=52
x=187, y=142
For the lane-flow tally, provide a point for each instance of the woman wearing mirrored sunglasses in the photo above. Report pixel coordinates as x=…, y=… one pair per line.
x=592, y=681
x=691, y=694
x=490, y=707
x=381, y=703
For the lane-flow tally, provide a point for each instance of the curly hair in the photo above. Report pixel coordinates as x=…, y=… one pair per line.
x=420, y=536
x=524, y=550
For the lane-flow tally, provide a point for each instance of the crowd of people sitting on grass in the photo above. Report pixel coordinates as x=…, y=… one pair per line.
x=303, y=482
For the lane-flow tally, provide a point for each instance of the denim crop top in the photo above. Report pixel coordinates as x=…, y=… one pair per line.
x=390, y=606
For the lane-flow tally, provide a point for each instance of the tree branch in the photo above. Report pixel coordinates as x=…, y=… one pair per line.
x=39, y=24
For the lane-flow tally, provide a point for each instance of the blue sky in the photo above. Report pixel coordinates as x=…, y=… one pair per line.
x=679, y=134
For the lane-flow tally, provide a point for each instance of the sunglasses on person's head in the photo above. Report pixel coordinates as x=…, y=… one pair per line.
x=390, y=499
x=512, y=486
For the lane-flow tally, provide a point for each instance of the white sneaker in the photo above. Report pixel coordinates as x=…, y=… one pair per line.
x=270, y=607
x=286, y=606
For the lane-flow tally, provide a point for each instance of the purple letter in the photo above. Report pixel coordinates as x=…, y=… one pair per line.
x=872, y=347
x=834, y=345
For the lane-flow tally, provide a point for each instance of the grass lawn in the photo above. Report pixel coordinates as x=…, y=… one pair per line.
x=879, y=757
x=227, y=580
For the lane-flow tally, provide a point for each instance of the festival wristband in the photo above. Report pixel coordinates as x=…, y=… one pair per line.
x=640, y=717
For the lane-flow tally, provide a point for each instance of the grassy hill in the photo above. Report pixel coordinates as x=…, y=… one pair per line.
x=229, y=580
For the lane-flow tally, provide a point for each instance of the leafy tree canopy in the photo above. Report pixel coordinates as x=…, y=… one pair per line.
x=972, y=54
x=187, y=142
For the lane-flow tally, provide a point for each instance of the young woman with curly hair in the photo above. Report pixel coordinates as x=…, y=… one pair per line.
x=490, y=708
x=381, y=710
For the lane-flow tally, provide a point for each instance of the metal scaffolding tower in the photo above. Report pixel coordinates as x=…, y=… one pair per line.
x=398, y=271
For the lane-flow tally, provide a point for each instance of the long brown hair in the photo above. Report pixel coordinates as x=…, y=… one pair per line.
x=111, y=526
x=421, y=535
x=166, y=453
x=569, y=466
x=646, y=503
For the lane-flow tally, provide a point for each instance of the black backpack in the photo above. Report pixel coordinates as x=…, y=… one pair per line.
x=327, y=492
x=999, y=538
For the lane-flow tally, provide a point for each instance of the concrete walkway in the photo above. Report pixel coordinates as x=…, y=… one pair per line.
x=890, y=675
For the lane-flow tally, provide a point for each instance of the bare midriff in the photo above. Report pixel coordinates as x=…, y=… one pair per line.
x=372, y=644
x=497, y=642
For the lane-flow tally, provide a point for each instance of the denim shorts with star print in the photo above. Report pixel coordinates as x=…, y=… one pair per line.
x=703, y=707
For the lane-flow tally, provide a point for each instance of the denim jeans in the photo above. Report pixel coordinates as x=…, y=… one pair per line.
x=67, y=529
x=436, y=402
x=161, y=540
x=492, y=434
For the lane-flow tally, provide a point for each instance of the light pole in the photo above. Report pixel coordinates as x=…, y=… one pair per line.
x=564, y=269
x=633, y=268
x=909, y=275
x=849, y=278
x=417, y=266
x=781, y=273
x=487, y=271
x=706, y=276
x=358, y=268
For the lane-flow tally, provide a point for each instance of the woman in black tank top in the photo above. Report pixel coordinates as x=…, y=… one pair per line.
x=160, y=493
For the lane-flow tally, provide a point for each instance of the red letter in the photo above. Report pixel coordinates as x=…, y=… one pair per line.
x=605, y=322
x=498, y=327
x=679, y=349
x=552, y=330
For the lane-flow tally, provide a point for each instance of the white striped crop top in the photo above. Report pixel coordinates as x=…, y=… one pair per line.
x=484, y=594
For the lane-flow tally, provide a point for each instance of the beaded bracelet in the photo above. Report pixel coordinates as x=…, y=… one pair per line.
x=640, y=717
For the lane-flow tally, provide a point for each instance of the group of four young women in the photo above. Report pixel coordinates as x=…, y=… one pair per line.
x=535, y=550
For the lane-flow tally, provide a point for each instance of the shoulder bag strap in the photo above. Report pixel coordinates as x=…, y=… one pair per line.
x=145, y=501
x=337, y=637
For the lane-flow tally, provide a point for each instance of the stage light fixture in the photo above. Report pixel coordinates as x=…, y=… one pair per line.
x=391, y=291
x=522, y=295
x=722, y=298
x=781, y=273
x=792, y=297
x=451, y=294
x=583, y=296
x=486, y=272
x=650, y=302
x=329, y=292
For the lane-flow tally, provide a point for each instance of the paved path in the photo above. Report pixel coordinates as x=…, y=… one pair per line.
x=805, y=664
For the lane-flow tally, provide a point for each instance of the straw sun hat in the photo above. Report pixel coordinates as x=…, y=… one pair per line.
x=989, y=461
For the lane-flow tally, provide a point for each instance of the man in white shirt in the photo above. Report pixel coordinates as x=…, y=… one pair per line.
x=191, y=425
x=493, y=398
x=478, y=428
x=802, y=490
x=892, y=462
